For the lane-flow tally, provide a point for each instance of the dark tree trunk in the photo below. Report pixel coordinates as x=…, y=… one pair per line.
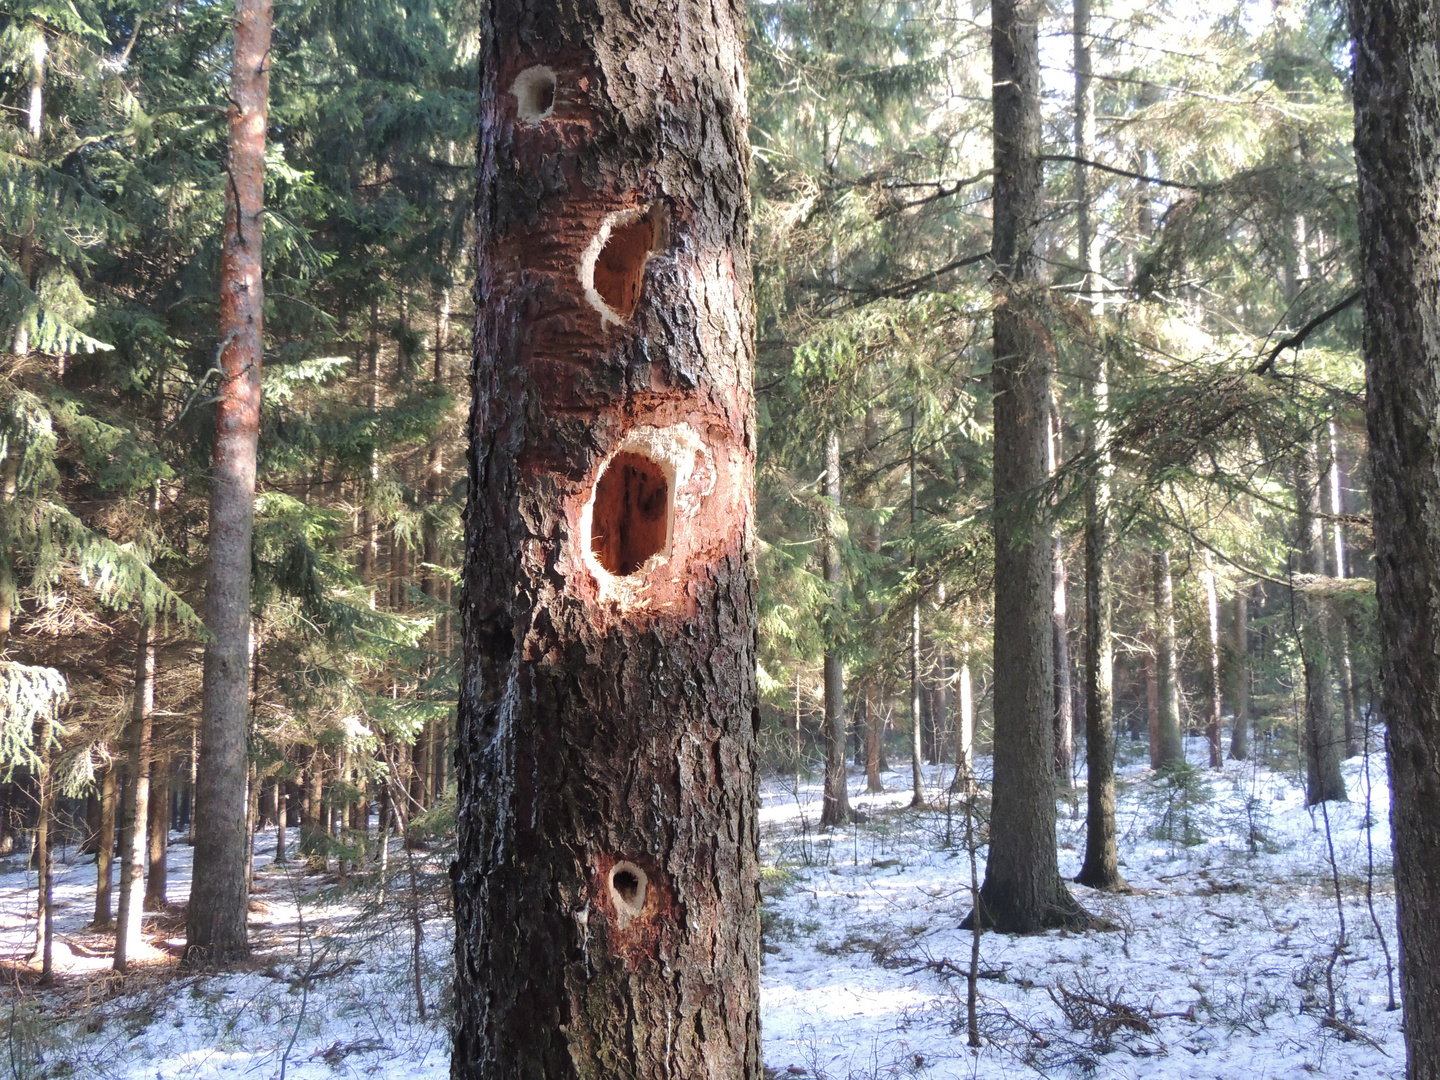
x=135, y=806
x=835, y=809
x=1023, y=890
x=159, y=832
x=1240, y=733
x=1396, y=115
x=607, y=880
x=1324, y=736
x=1212, y=669
x=105, y=846
x=1171, y=747
x=219, y=893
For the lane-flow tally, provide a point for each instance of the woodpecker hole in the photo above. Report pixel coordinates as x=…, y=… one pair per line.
x=614, y=264
x=630, y=522
x=627, y=888
x=534, y=90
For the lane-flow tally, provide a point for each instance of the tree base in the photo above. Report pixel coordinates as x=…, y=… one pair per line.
x=1063, y=912
x=1103, y=881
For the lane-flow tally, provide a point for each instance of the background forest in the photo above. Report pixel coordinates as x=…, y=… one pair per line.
x=1207, y=439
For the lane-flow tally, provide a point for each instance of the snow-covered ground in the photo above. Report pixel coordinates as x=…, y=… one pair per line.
x=1223, y=962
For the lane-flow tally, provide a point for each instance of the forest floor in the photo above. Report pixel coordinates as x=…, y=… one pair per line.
x=1224, y=961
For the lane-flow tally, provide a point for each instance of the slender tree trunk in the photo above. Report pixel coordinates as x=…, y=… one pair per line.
x=135, y=807
x=1023, y=890
x=1240, y=733
x=1348, y=697
x=282, y=812
x=216, y=929
x=607, y=879
x=1101, y=868
x=1212, y=682
x=1171, y=742
x=1060, y=629
x=1152, y=697
x=35, y=125
x=873, y=784
x=105, y=846
x=835, y=809
x=1324, y=734
x=964, y=718
x=1397, y=111
x=917, y=731
x=159, y=832
x=45, y=858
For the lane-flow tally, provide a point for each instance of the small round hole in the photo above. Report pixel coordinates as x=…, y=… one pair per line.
x=627, y=888
x=534, y=90
x=630, y=521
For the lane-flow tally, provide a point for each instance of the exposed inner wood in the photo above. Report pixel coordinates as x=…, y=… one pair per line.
x=629, y=523
x=621, y=265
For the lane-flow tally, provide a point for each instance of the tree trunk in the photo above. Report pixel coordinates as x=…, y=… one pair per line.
x=835, y=809
x=282, y=812
x=1152, y=698
x=1240, y=733
x=873, y=784
x=1060, y=629
x=105, y=847
x=1101, y=868
x=45, y=858
x=135, y=807
x=1397, y=110
x=1212, y=682
x=917, y=730
x=1172, y=742
x=1348, y=697
x=1023, y=890
x=607, y=879
x=219, y=895
x=159, y=832
x=1324, y=735
x=964, y=777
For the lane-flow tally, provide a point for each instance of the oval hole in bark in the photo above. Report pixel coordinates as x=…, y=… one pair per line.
x=534, y=90
x=630, y=522
x=627, y=888
x=613, y=267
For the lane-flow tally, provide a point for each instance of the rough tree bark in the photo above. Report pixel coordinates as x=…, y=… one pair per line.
x=219, y=893
x=607, y=880
x=1023, y=890
x=917, y=730
x=835, y=808
x=1397, y=131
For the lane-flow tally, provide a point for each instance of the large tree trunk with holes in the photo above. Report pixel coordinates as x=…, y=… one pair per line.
x=1397, y=112
x=219, y=892
x=1023, y=890
x=607, y=881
